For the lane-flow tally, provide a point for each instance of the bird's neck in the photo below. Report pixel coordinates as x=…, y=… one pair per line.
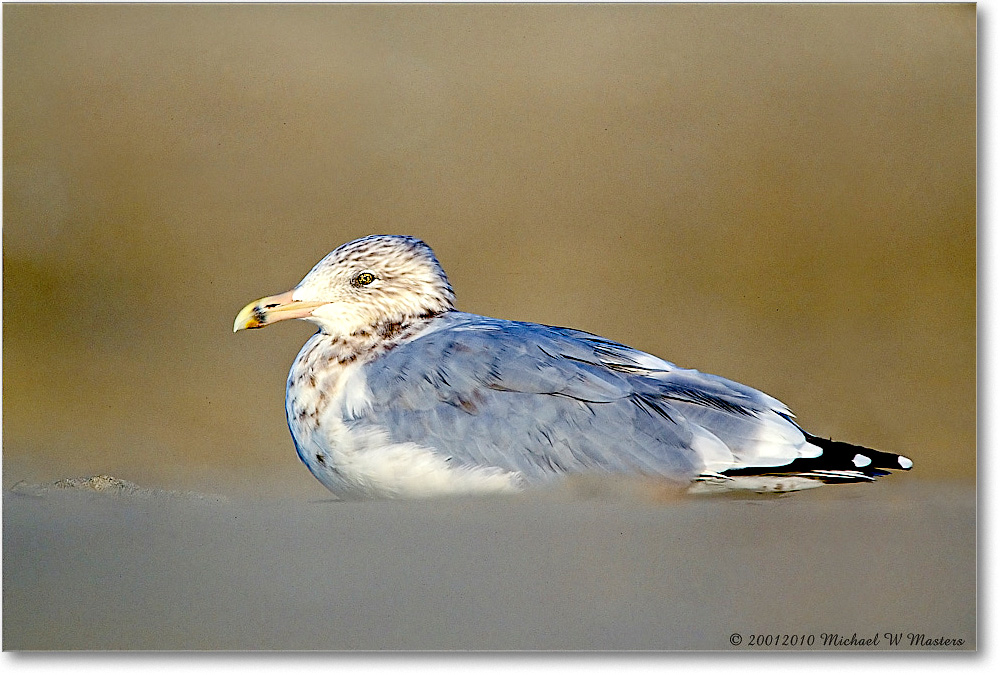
x=374, y=340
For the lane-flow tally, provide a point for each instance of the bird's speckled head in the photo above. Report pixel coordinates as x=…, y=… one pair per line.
x=370, y=282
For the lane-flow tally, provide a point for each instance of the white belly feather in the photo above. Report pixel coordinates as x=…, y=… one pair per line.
x=326, y=404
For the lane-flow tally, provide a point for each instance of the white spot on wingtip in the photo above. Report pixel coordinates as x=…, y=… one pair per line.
x=905, y=462
x=860, y=460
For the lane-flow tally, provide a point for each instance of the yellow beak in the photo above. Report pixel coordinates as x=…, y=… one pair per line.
x=272, y=309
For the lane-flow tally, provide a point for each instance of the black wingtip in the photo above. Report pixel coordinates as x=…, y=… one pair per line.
x=838, y=451
x=839, y=462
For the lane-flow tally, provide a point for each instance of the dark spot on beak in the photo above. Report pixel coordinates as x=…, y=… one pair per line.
x=258, y=315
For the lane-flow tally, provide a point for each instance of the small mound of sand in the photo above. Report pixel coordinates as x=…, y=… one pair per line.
x=103, y=484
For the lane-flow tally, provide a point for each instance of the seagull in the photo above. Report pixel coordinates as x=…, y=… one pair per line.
x=400, y=395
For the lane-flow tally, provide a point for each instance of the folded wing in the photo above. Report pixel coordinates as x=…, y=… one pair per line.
x=543, y=400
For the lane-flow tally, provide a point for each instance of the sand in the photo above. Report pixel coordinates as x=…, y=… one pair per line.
x=860, y=567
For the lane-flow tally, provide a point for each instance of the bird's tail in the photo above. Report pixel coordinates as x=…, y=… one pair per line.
x=838, y=463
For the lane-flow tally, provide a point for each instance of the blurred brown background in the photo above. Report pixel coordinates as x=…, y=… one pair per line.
x=783, y=194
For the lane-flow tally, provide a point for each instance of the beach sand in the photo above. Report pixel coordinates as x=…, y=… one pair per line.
x=565, y=569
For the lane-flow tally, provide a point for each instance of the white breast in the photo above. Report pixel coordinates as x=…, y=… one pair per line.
x=326, y=403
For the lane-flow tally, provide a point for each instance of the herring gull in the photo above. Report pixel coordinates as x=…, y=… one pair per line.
x=401, y=395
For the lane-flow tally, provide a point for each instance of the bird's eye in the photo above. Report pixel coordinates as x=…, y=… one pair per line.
x=362, y=279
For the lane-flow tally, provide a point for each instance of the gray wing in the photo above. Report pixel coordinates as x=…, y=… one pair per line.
x=757, y=429
x=543, y=401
